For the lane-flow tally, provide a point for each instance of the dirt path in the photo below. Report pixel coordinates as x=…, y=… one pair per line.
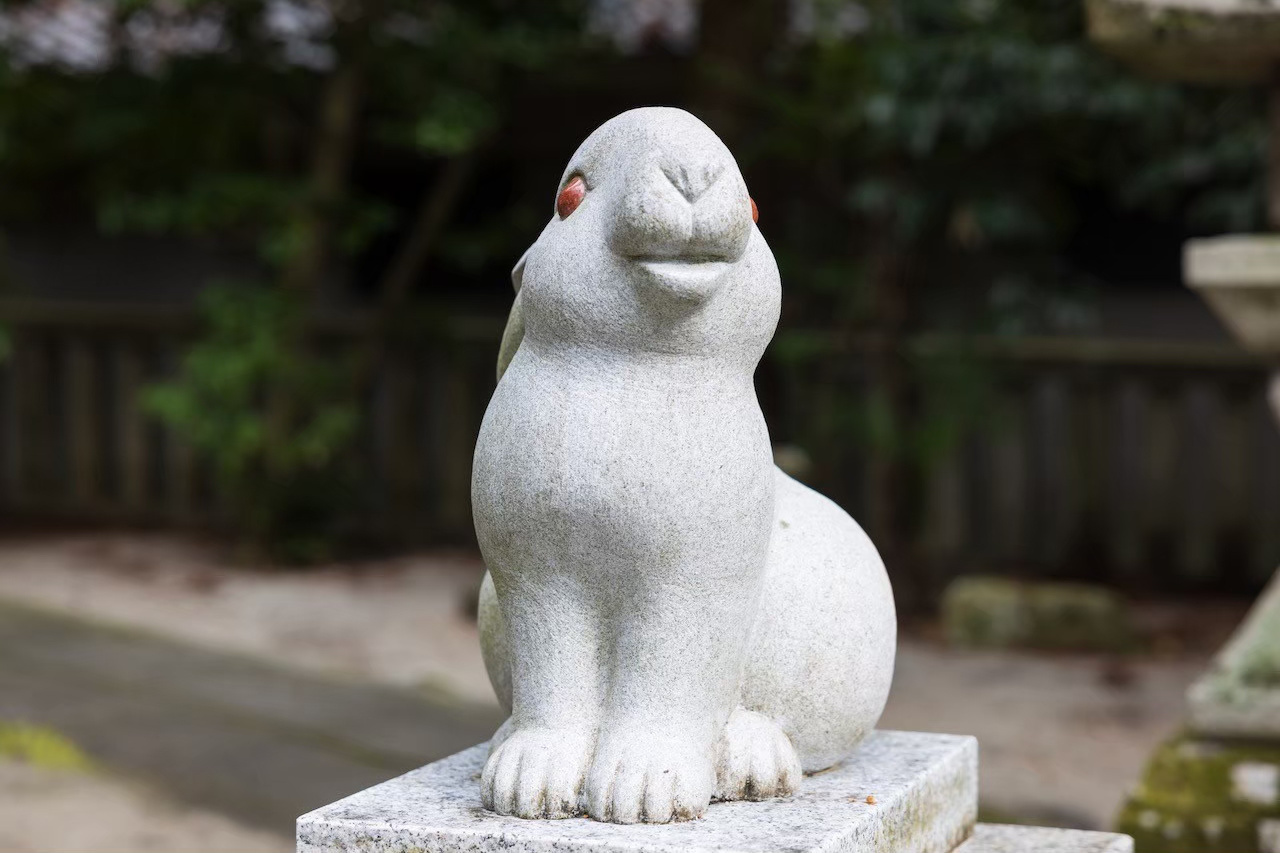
x=65, y=811
x=397, y=621
x=248, y=739
x=1062, y=738
x=1060, y=744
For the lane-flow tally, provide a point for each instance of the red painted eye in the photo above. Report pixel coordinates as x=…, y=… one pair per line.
x=755, y=211
x=571, y=196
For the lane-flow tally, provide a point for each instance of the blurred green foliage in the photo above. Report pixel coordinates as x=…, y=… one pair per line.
x=971, y=135
x=921, y=165
x=218, y=144
x=251, y=146
x=286, y=474
x=936, y=170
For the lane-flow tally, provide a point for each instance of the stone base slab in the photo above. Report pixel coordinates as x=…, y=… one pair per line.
x=1001, y=838
x=925, y=790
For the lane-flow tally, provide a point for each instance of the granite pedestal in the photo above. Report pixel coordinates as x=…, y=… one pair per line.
x=1000, y=838
x=924, y=789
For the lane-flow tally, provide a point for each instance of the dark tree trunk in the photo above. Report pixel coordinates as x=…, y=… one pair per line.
x=330, y=175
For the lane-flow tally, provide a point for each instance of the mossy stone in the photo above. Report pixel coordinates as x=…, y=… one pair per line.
x=1190, y=798
x=993, y=612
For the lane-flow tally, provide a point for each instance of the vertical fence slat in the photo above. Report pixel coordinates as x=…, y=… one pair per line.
x=470, y=392
x=454, y=471
x=1052, y=466
x=36, y=430
x=178, y=455
x=1233, y=469
x=403, y=476
x=131, y=427
x=1159, y=474
x=18, y=395
x=1198, y=442
x=82, y=422
x=1088, y=449
x=449, y=429
x=945, y=517
x=430, y=435
x=1266, y=493
x=1008, y=482
x=1124, y=517
x=377, y=427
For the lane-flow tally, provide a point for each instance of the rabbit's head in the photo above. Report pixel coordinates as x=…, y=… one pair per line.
x=652, y=248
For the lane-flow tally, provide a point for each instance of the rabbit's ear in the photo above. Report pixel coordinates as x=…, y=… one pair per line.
x=517, y=272
x=513, y=334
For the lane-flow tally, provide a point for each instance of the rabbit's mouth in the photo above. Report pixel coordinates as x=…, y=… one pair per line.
x=692, y=279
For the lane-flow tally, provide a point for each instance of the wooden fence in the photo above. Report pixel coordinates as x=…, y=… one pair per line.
x=1151, y=465
x=76, y=441
x=1155, y=466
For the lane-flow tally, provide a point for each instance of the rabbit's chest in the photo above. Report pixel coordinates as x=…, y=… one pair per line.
x=561, y=452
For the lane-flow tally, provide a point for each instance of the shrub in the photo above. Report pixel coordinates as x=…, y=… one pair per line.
x=276, y=419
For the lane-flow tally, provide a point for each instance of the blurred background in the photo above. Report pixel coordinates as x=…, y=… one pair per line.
x=254, y=267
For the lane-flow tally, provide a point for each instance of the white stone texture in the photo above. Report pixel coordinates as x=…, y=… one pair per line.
x=1002, y=838
x=1238, y=696
x=1239, y=276
x=1256, y=782
x=669, y=617
x=925, y=788
x=1199, y=41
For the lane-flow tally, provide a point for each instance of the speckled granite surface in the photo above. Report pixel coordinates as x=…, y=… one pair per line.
x=999, y=838
x=925, y=788
x=651, y=569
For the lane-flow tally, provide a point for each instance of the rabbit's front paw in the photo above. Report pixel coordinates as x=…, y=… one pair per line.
x=536, y=773
x=646, y=777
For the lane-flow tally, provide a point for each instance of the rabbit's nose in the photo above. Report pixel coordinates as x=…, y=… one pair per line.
x=686, y=206
x=692, y=180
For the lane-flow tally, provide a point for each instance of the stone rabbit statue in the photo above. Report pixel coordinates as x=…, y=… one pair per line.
x=669, y=618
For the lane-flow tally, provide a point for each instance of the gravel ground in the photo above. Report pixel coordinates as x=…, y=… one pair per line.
x=400, y=621
x=1062, y=737
x=1060, y=742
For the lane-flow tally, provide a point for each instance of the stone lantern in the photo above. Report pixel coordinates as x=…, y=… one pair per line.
x=1217, y=788
x=1216, y=42
x=1239, y=276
